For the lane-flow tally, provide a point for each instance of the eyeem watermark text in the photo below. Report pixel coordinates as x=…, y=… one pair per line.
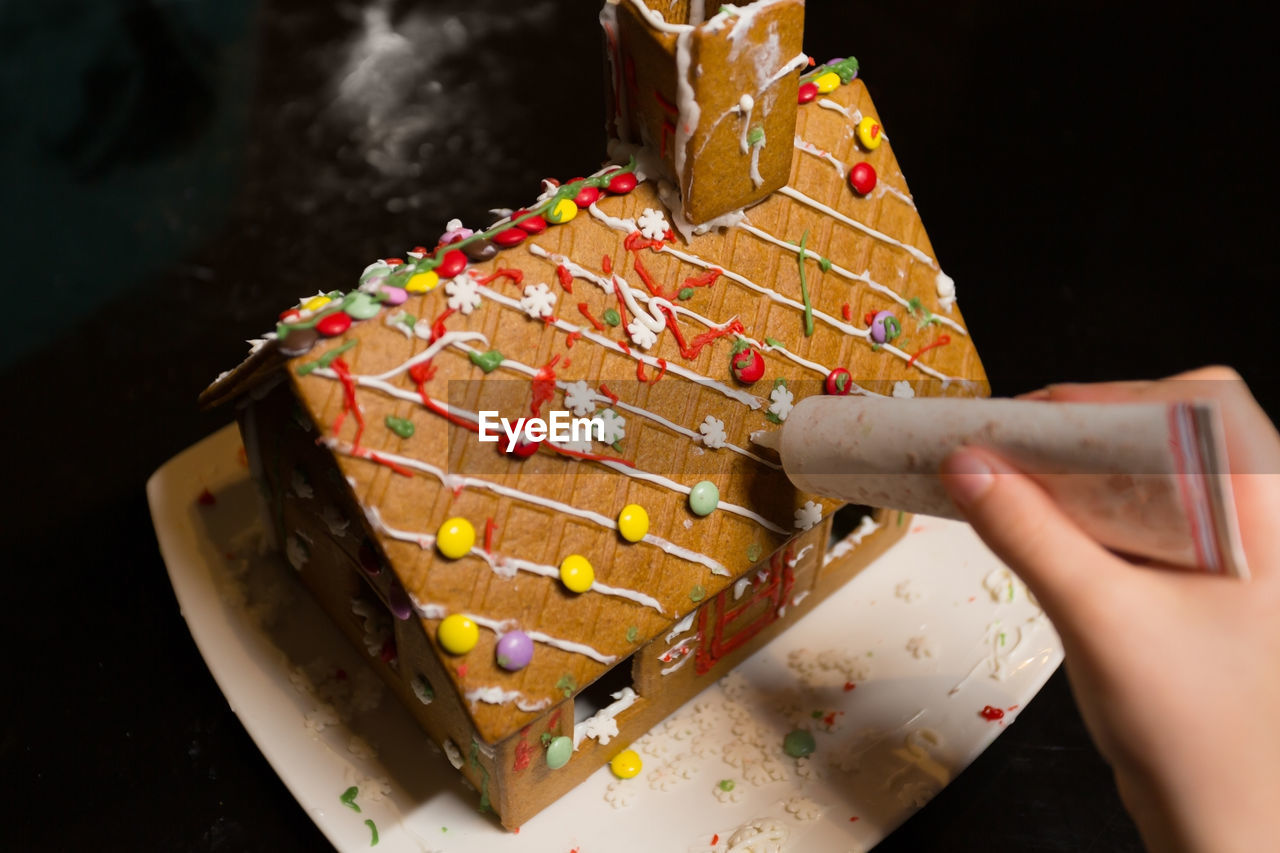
x=559, y=427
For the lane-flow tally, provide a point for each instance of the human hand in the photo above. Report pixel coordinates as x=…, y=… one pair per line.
x=1177, y=674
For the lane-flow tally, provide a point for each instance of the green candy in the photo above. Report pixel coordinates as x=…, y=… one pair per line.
x=798, y=743
x=400, y=426
x=685, y=293
x=633, y=634
x=753, y=551
x=704, y=497
x=559, y=752
x=612, y=317
x=697, y=593
x=755, y=136
x=362, y=306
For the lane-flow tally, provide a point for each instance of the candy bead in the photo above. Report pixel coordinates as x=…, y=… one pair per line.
x=559, y=751
x=523, y=450
x=633, y=522
x=290, y=315
x=839, y=382
x=315, y=303
x=455, y=537
x=808, y=91
x=451, y=264
x=827, y=82
x=480, y=250
x=532, y=225
x=333, y=324
x=362, y=306
x=622, y=183
x=704, y=498
x=562, y=211
x=457, y=634
x=747, y=366
x=869, y=134
x=798, y=743
x=576, y=573
x=587, y=196
x=393, y=295
x=626, y=764
x=862, y=177
x=510, y=237
x=297, y=342
x=514, y=650
x=422, y=282
x=885, y=327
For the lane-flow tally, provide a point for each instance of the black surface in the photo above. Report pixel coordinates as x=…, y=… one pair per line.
x=1097, y=178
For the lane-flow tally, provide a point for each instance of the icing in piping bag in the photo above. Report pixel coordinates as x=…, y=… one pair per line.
x=1145, y=479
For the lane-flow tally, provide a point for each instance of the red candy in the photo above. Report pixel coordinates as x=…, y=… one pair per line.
x=622, y=184
x=532, y=225
x=523, y=449
x=748, y=366
x=509, y=237
x=808, y=91
x=839, y=382
x=862, y=177
x=453, y=263
x=586, y=197
x=289, y=315
x=334, y=324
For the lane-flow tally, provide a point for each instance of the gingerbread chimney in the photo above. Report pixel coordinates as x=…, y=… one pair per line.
x=714, y=96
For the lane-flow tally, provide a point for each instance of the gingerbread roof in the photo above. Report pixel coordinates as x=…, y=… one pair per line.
x=610, y=310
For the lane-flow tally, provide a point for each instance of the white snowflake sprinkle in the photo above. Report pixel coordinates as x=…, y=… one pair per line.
x=712, y=430
x=614, y=426
x=580, y=398
x=782, y=399
x=620, y=793
x=946, y=290
x=297, y=552
x=464, y=294
x=902, y=390
x=538, y=301
x=920, y=647
x=422, y=328
x=641, y=335
x=808, y=515
x=653, y=224
x=803, y=808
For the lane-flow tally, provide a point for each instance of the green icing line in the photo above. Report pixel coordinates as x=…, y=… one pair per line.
x=612, y=317
x=804, y=286
x=846, y=68
x=775, y=343
x=486, y=361
x=824, y=263
x=400, y=426
x=339, y=303
x=755, y=136
x=373, y=829
x=484, y=776
x=567, y=684
x=349, y=798
x=697, y=593
x=326, y=359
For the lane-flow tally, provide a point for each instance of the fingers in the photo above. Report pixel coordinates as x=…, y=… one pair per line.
x=1063, y=567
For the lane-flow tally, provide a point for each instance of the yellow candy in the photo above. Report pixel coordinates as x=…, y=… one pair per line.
x=633, y=522
x=828, y=82
x=422, y=282
x=455, y=537
x=562, y=211
x=576, y=573
x=869, y=133
x=457, y=634
x=315, y=302
x=626, y=764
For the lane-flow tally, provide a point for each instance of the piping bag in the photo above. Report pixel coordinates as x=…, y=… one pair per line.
x=1145, y=479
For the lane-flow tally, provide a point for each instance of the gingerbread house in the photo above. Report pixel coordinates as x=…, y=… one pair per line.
x=540, y=603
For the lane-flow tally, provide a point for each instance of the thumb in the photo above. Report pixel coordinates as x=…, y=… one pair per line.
x=1061, y=565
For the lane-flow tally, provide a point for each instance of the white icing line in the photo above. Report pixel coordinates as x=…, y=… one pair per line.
x=863, y=278
x=498, y=696
x=658, y=22
x=853, y=540
x=810, y=148
x=800, y=60
x=793, y=193
x=430, y=352
x=827, y=104
x=682, y=626
x=602, y=724
x=505, y=566
x=431, y=610
x=455, y=480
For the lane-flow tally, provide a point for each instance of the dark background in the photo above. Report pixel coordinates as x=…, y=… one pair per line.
x=1097, y=177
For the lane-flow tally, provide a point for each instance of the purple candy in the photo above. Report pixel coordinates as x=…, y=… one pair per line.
x=514, y=651
x=393, y=295
x=879, y=332
x=398, y=599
